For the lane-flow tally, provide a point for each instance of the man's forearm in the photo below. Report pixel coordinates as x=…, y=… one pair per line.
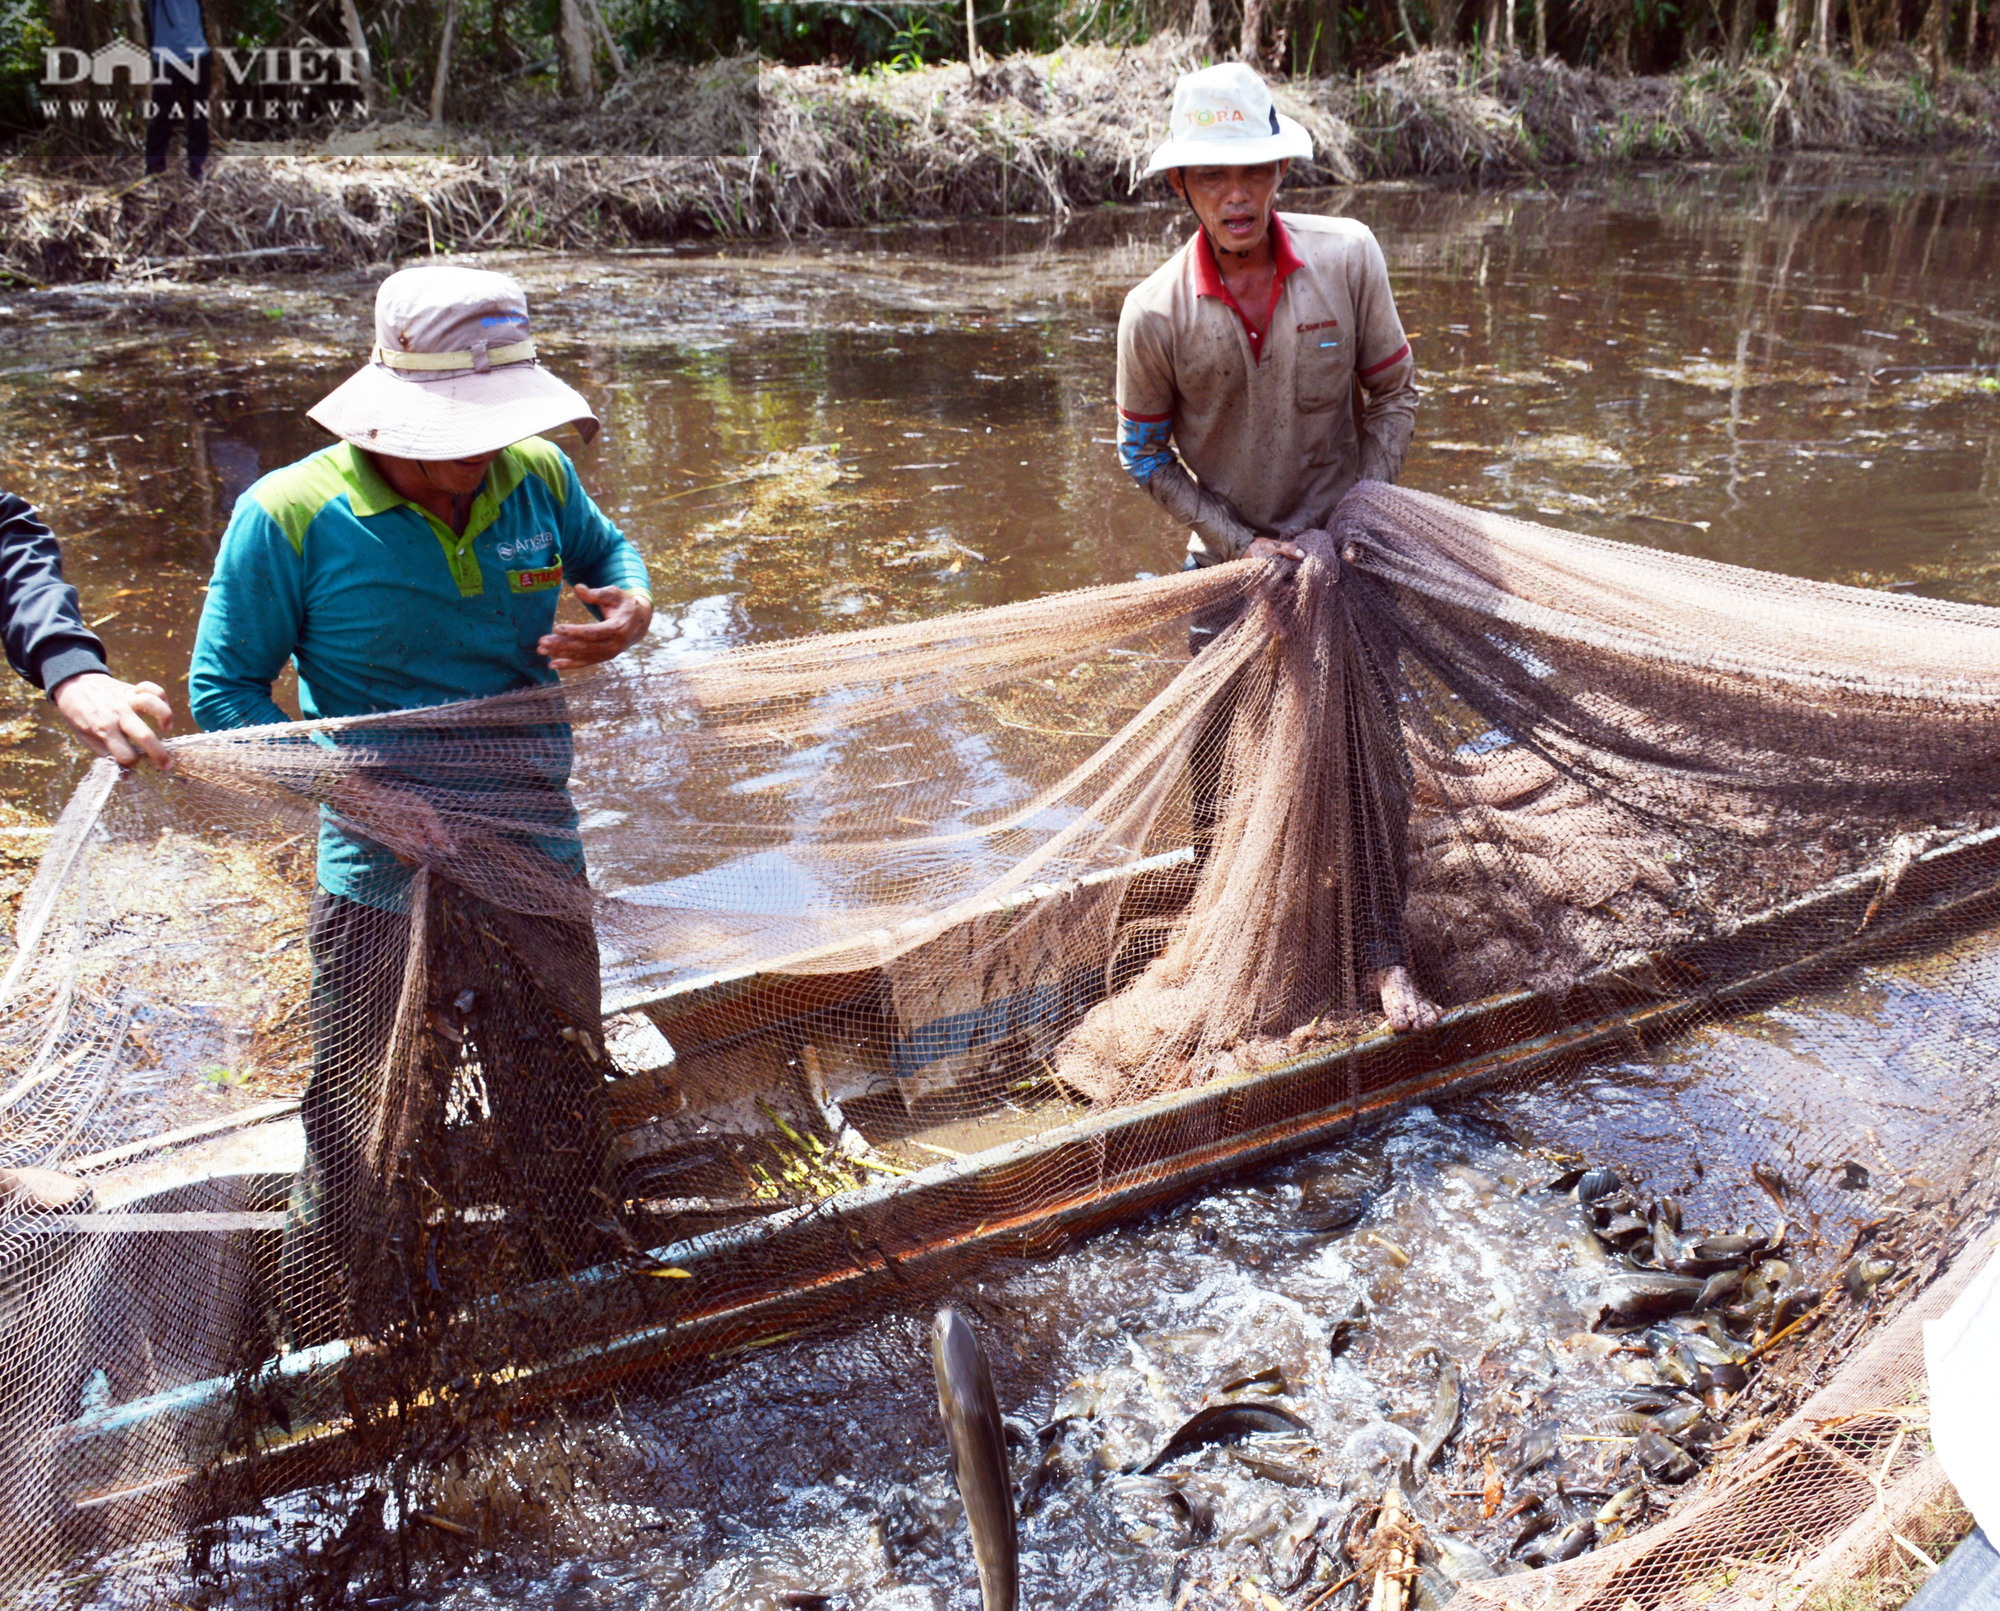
x=45, y=638
x=1212, y=516
x=1388, y=421
x=219, y=706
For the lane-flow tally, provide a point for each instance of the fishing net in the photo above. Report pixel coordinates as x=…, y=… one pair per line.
x=905, y=948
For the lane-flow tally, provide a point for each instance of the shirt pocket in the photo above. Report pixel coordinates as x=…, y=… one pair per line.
x=532, y=595
x=1324, y=367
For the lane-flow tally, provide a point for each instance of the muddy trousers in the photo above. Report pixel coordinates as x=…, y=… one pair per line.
x=485, y=1115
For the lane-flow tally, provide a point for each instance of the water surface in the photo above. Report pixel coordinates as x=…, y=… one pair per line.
x=1768, y=366
x=1775, y=366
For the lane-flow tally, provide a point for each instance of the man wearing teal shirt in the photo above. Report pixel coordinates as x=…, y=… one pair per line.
x=418, y=562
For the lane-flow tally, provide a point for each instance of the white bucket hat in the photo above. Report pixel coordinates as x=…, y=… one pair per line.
x=453, y=374
x=1223, y=117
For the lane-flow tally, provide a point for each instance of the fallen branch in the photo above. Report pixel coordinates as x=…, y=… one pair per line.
x=231, y=257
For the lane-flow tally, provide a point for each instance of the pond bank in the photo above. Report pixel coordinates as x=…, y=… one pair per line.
x=761, y=151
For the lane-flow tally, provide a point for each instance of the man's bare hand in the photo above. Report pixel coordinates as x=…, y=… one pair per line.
x=626, y=619
x=1273, y=548
x=111, y=717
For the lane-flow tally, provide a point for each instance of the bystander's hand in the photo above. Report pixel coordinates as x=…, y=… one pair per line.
x=626, y=618
x=1273, y=548
x=111, y=717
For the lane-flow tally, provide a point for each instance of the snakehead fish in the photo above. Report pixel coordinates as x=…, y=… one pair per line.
x=971, y=1414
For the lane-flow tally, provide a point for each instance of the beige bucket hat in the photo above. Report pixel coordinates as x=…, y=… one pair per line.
x=453, y=374
x=1223, y=117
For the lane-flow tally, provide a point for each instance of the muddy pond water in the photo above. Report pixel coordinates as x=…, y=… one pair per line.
x=1791, y=367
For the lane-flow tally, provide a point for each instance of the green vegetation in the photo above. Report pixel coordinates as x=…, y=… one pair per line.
x=502, y=52
x=587, y=124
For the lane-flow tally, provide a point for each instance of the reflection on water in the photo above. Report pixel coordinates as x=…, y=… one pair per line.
x=1763, y=367
x=1766, y=367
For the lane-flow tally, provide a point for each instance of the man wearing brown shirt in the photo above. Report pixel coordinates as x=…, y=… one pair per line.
x=1262, y=370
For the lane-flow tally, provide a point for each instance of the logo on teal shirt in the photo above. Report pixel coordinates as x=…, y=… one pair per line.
x=540, y=563
x=530, y=551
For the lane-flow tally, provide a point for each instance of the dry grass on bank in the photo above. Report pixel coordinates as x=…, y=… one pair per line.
x=740, y=149
x=1894, y=1577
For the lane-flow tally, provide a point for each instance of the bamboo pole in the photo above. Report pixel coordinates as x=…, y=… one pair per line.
x=444, y=61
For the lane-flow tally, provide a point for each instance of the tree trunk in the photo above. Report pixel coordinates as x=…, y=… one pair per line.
x=604, y=33
x=357, y=41
x=1739, y=31
x=1783, y=28
x=1507, y=27
x=69, y=24
x=1971, y=31
x=444, y=60
x=972, y=61
x=1541, y=30
x=578, y=58
x=135, y=30
x=1202, y=24
x=1823, y=27
x=1250, y=49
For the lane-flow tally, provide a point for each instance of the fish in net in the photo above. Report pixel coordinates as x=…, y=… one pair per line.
x=1028, y=889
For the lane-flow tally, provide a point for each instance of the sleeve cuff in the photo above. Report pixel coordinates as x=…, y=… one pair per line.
x=72, y=660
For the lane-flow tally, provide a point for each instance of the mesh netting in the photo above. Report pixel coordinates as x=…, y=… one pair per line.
x=904, y=948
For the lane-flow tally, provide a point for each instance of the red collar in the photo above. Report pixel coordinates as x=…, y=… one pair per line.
x=1208, y=278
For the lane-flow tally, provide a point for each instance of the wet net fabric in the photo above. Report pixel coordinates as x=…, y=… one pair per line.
x=898, y=949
